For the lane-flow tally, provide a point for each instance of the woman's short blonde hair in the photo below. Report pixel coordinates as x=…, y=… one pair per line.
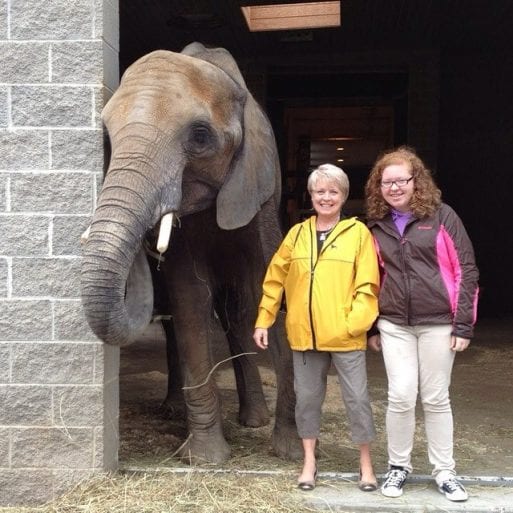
x=330, y=173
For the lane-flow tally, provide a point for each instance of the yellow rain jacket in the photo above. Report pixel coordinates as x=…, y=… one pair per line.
x=331, y=299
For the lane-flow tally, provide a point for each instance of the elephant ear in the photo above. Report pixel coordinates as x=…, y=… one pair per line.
x=255, y=172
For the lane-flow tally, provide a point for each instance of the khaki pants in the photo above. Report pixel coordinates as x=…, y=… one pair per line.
x=310, y=379
x=418, y=358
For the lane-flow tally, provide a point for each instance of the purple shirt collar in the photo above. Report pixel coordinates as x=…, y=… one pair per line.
x=400, y=219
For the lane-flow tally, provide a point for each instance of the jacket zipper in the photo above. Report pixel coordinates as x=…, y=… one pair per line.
x=312, y=270
x=402, y=242
x=312, y=273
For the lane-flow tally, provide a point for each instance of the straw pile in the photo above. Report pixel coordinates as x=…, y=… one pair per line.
x=176, y=492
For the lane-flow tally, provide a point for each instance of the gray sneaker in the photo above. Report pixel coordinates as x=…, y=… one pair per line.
x=453, y=490
x=394, y=482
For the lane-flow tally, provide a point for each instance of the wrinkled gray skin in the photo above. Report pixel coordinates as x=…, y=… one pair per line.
x=187, y=137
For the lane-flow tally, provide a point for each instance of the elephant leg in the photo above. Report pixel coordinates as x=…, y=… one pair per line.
x=192, y=310
x=238, y=326
x=174, y=404
x=285, y=440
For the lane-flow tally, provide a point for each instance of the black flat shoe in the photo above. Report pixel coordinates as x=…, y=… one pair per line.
x=367, y=486
x=308, y=486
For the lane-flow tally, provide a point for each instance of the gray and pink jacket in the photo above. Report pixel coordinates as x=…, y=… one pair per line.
x=429, y=274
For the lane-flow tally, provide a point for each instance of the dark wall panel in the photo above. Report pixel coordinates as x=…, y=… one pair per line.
x=475, y=167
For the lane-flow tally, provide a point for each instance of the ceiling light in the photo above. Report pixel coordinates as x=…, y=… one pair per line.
x=292, y=16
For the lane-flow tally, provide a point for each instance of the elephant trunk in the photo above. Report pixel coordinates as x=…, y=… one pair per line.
x=117, y=292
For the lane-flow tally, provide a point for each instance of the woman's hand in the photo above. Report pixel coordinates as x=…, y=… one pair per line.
x=459, y=344
x=374, y=343
x=260, y=338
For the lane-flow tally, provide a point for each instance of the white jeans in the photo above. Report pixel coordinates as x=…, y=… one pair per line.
x=419, y=357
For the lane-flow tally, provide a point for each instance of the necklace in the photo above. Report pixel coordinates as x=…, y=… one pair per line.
x=324, y=233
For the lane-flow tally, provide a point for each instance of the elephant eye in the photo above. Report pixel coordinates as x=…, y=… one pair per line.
x=200, y=136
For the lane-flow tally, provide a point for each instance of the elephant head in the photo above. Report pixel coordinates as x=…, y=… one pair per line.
x=186, y=135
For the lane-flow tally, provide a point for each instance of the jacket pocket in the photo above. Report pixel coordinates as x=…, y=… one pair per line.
x=332, y=328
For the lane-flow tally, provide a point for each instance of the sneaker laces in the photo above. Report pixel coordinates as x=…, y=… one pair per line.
x=452, y=485
x=395, y=477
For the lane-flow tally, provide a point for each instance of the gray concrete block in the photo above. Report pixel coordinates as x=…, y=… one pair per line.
x=110, y=67
x=70, y=323
x=5, y=363
x=46, y=277
x=106, y=444
x=78, y=149
x=25, y=487
x=106, y=94
x=99, y=179
x=3, y=20
x=4, y=449
x=106, y=456
x=24, y=235
x=98, y=106
x=77, y=62
x=25, y=320
x=58, y=19
x=3, y=192
x=107, y=435
x=52, y=363
x=56, y=106
x=25, y=62
x=107, y=22
x=4, y=117
x=52, y=448
x=67, y=231
x=67, y=479
x=106, y=364
x=78, y=406
x=59, y=193
x=4, y=277
x=25, y=405
x=24, y=149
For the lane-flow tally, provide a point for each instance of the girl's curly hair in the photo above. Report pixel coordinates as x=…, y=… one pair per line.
x=426, y=195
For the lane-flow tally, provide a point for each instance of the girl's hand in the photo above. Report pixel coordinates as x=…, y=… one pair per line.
x=459, y=344
x=374, y=343
x=260, y=338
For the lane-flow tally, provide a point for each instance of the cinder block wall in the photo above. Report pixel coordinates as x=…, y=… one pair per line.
x=58, y=384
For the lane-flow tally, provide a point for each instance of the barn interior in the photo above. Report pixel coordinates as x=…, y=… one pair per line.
x=432, y=74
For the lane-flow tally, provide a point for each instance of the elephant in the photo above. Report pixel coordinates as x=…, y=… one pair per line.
x=194, y=153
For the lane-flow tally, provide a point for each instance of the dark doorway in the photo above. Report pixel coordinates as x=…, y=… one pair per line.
x=345, y=119
x=444, y=68
x=437, y=74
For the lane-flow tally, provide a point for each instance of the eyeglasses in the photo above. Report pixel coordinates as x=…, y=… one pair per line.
x=398, y=183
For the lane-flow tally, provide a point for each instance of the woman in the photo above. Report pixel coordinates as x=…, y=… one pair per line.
x=427, y=307
x=328, y=270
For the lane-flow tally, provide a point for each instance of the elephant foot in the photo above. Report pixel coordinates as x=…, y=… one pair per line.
x=207, y=446
x=254, y=413
x=286, y=442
